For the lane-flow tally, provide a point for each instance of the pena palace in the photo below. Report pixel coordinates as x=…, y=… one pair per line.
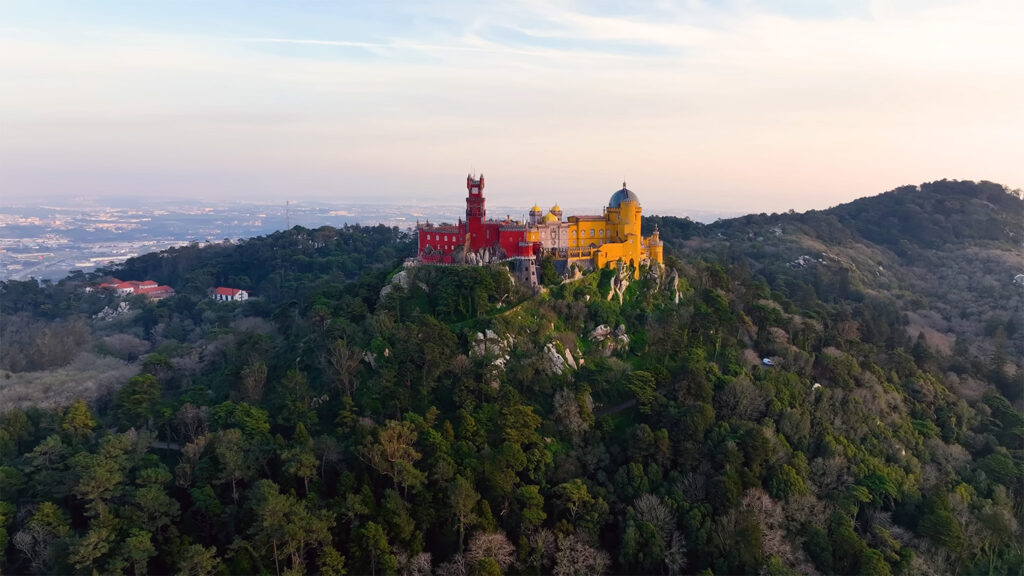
x=588, y=241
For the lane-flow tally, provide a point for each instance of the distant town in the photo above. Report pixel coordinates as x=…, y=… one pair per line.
x=47, y=243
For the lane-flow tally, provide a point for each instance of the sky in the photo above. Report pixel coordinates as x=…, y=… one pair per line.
x=733, y=105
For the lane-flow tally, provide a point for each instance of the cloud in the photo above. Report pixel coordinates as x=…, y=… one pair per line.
x=400, y=46
x=713, y=105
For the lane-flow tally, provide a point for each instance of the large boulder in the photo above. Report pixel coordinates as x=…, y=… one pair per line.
x=554, y=363
x=673, y=284
x=610, y=340
x=489, y=345
x=493, y=349
x=570, y=360
x=654, y=274
x=620, y=282
x=600, y=333
x=403, y=279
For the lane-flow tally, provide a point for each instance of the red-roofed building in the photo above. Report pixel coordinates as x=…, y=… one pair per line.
x=147, y=288
x=110, y=283
x=230, y=294
x=155, y=291
x=126, y=287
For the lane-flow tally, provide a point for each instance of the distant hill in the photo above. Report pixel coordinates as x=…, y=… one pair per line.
x=931, y=215
x=944, y=252
x=935, y=215
x=286, y=264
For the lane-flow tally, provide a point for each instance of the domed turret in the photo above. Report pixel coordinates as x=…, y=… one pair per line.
x=624, y=195
x=557, y=211
x=535, y=215
x=550, y=218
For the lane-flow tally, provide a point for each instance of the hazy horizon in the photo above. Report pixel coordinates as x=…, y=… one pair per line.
x=729, y=107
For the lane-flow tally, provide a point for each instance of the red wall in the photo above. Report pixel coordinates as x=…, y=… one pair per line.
x=510, y=240
x=483, y=234
x=453, y=241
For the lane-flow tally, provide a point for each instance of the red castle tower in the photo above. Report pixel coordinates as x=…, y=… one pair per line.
x=498, y=238
x=476, y=213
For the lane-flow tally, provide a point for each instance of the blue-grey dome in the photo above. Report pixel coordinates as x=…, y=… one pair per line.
x=624, y=195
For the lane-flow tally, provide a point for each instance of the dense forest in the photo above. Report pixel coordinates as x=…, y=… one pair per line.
x=836, y=392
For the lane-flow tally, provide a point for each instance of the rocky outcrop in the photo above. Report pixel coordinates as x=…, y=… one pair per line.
x=495, y=351
x=402, y=279
x=570, y=360
x=673, y=284
x=653, y=274
x=610, y=340
x=558, y=363
x=492, y=348
x=600, y=333
x=554, y=363
x=573, y=273
x=620, y=282
x=109, y=313
x=824, y=259
x=481, y=257
x=620, y=335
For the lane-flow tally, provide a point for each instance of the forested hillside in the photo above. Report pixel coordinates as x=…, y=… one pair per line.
x=834, y=392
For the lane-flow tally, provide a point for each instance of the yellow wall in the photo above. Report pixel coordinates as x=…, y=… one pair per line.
x=616, y=236
x=656, y=253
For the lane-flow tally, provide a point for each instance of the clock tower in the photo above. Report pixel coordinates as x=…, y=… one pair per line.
x=476, y=212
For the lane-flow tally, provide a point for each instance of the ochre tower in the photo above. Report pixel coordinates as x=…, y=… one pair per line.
x=603, y=240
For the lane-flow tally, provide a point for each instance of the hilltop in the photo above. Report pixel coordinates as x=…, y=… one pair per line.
x=826, y=392
x=944, y=253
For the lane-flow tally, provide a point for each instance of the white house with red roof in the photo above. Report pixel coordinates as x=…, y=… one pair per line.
x=230, y=294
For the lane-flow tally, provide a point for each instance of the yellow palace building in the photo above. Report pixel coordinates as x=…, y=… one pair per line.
x=598, y=240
